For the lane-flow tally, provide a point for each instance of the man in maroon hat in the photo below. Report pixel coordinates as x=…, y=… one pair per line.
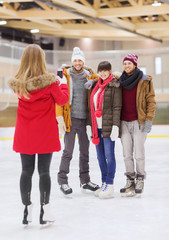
x=138, y=110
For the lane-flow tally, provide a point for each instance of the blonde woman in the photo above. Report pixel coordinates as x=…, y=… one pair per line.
x=36, y=129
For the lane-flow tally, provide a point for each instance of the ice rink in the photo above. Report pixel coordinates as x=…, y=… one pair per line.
x=83, y=216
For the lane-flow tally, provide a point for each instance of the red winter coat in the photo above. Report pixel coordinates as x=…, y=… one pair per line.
x=36, y=128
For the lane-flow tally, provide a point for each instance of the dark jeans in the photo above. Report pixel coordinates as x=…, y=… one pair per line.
x=79, y=127
x=106, y=158
x=28, y=166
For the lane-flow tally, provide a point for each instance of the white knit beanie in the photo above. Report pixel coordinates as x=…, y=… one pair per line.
x=77, y=54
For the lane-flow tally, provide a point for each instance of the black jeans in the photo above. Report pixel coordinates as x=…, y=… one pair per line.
x=28, y=166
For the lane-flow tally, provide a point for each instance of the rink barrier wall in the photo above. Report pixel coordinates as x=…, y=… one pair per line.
x=9, y=136
x=149, y=136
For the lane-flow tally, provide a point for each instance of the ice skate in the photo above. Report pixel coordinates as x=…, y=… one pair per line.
x=89, y=186
x=107, y=192
x=27, y=218
x=96, y=193
x=139, y=184
x=66, y=189
x=129, y=189
x=46, y=215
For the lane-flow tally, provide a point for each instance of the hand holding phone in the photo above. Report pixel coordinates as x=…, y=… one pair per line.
x=60, y=77
x=60, y=73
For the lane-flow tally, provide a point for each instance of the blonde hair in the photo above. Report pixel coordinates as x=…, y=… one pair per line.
x=32, y=64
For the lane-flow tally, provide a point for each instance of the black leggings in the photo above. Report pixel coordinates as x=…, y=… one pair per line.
x=28, y=166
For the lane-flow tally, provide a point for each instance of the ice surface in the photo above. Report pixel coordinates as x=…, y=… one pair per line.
x=83, y=216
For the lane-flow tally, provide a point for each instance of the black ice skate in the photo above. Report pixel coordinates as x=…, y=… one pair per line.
x=90, y=186
x=66, y=189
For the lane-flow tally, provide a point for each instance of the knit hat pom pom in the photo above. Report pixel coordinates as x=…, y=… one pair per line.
x=95, y=141
x=76, y=49
x=98, y=113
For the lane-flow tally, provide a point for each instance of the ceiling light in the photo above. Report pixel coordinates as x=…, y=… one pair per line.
x=155, y=18
x=1, y=2
x=146, y=18
x=156, y=4
x=2, y=22
x=34, y=30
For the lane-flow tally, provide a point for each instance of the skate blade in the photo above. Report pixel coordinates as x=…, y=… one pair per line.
x=68, y=195
x=25, y=226
x=107, y=197
x=87, y=191
x=128, y=194
x=46, y=224
x=138, y=195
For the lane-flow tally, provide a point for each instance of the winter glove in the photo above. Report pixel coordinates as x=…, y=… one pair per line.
x=147, y=126
x=117, y=74
x=61, y=124
x=62, y=80
x=89, y=132
x=114, y=133
x=89, y=84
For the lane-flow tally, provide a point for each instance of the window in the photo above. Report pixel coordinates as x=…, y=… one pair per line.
x=143, y=69
x=158, y=64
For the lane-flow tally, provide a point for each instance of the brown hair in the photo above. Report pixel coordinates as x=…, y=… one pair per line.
x=104, y=66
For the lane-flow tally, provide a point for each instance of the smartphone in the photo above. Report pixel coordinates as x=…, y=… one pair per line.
x=60, y=73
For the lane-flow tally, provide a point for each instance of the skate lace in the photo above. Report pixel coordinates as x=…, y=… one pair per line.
x=128, y=183
x=105, y=188
x=92, y=184
x=65, y=187
x=139, y=183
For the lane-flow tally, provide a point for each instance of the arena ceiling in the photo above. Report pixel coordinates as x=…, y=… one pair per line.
x=98, y=19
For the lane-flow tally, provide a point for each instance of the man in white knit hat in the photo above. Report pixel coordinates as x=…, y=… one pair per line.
x=72, y=119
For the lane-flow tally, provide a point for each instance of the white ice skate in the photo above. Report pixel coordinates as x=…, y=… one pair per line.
x=27, y=214
x=45, y=215
x=107, y=192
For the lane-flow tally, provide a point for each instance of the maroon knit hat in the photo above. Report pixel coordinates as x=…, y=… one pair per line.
x=132, y=58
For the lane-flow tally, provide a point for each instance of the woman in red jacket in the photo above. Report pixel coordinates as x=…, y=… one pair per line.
x=36, y=129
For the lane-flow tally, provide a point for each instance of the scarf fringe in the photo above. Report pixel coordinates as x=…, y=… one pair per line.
x=95, y=141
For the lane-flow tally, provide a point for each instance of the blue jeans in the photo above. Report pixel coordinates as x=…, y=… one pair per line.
x=106, y=158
